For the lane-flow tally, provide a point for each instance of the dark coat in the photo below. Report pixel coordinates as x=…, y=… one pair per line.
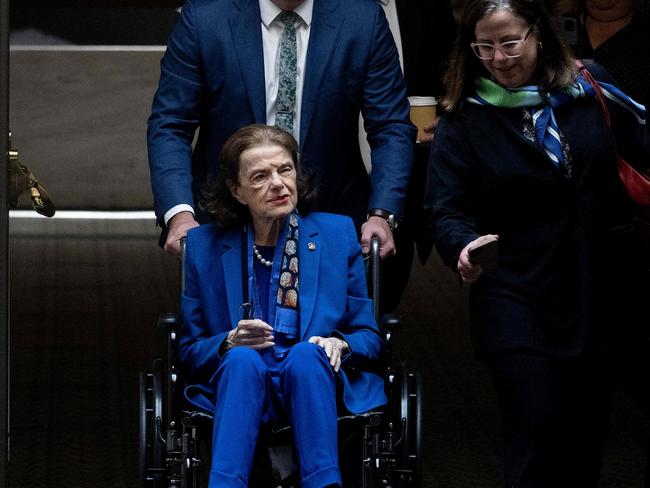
x=567, y=254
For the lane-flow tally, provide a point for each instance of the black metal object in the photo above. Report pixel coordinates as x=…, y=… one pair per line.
x=22, y=180
x=168, y=451
x=374, y=287
x=4, y=242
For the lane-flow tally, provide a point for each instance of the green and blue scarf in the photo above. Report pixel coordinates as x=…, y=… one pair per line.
x=547, y=134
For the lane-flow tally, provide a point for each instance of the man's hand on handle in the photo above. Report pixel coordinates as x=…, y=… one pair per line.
x=179, y=224
x=377, y=226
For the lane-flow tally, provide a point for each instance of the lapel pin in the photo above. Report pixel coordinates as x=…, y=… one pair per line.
x=311, y=246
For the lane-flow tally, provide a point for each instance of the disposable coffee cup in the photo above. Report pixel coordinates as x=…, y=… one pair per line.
x=423, y=113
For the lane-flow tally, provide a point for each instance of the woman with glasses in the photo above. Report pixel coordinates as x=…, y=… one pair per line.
x=523, y=156
x=277, y=325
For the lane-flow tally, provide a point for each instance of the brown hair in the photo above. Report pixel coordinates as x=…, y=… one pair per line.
x=216, y=198
x=555, y=66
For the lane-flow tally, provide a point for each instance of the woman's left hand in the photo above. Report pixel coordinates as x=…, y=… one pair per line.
x=334, y=349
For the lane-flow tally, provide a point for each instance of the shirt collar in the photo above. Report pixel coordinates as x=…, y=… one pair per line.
x=384, y=2
x=269, y=11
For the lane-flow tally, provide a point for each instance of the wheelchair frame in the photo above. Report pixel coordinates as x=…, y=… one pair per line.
x=169, y=441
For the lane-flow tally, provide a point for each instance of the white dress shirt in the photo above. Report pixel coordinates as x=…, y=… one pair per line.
x=271, y=35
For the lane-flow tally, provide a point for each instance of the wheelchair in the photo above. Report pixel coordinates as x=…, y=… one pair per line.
x=376, y=449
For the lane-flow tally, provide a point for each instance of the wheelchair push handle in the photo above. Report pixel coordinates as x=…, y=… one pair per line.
x=388, y=322
x=375, y=275
x=183, y=242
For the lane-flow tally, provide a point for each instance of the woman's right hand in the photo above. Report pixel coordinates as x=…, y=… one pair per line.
x=469, y=272
x=255, y=334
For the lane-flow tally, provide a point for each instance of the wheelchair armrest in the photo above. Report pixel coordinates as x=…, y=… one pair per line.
x=387, y=325
x=169, y=322
x=390, y=322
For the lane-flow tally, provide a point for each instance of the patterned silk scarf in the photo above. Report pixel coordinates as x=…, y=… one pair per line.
x=283, y=304
x=288, y=286
x=547, y=134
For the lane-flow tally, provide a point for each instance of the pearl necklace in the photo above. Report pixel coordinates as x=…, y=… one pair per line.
x=260, y=258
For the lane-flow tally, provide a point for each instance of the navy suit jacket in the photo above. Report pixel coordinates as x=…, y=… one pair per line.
x=212, y=77
x=333, y=301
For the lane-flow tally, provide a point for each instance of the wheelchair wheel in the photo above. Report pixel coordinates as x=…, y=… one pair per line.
x=151, y=444
x=410, y=410
x=415, y=398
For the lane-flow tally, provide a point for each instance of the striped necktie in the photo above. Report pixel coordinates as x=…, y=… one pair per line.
x=286, y=100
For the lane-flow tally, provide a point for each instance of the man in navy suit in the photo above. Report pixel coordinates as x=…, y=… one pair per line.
x=220, y=72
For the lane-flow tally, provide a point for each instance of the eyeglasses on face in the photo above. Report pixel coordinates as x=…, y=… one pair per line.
x=510, y=49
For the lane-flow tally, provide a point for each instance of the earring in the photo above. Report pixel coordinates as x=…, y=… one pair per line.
x=539, y=46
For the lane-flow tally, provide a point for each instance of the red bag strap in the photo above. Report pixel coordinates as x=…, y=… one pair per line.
x=599, y=92
x=637, y=184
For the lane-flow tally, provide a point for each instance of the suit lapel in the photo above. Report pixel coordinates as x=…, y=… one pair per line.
x=247, y=38
x=232, y=270
x=326, y=23
x=309, y=259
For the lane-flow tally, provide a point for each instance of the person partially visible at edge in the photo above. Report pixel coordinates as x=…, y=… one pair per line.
x=457, y=9
x=523, y=153
x=221, y=71
x=307, y=339
x=615, y=34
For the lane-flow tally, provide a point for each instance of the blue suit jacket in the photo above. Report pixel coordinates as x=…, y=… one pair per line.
x=212, y=77
x=333, y=300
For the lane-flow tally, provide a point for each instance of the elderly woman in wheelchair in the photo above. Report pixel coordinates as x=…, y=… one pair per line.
x=277, y=326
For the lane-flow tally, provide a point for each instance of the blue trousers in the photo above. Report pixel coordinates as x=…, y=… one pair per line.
x=251, y=392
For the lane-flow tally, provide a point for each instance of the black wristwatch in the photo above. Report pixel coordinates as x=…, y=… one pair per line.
x=384, y=214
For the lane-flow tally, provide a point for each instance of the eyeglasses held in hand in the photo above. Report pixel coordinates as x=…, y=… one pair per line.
x=510, y=49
